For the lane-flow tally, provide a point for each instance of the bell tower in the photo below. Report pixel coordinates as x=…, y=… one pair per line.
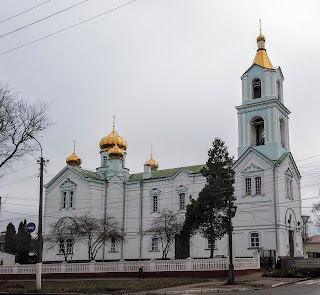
x=263, y=119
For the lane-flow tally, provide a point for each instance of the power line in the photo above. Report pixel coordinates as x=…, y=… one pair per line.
x=24, y=11
x=65, y=29
x=40, y=20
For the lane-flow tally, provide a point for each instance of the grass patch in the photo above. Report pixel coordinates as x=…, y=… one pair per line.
x=110, y=286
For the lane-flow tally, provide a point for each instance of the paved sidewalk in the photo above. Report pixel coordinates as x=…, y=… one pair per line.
x=247, y=282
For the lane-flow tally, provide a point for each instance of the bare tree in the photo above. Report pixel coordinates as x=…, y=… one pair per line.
x=18, y=120
x=95, y=232
x=165, y=227
x=63, y=234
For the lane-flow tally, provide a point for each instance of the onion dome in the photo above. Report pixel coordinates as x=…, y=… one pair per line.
x=74, y=160
x=261, y=38
x=154, y=164
x=116, y=153
x=108, y=142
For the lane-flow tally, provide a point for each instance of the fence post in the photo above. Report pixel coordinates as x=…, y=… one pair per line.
x=63, y=267
x=189, y=263
x=256, y=256
x=92, y=266
x=15, y=268
x=152, y=265
x=121, y=265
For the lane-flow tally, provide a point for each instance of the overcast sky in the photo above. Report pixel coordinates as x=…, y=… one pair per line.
x=168, y=69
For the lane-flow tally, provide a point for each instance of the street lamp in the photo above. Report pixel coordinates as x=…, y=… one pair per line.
x=232, y=211
x=40, y=239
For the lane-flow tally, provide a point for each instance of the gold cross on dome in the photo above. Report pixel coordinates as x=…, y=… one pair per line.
x=114, y=120
x=74, y=146
x=151, y=151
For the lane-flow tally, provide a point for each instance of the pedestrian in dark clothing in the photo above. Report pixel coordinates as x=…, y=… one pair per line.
x=141, y=273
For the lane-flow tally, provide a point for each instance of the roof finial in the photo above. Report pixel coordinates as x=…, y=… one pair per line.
x=260, y=25
x=114, y=121
x=151, y=151
x=74, y=146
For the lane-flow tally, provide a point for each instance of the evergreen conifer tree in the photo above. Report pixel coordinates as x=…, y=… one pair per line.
x=208, y=215
x=23, y=239
x=10, y=239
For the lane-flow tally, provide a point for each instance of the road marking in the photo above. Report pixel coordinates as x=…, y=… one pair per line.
x=279, y=284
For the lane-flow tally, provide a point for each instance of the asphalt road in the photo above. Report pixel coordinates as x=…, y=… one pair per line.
x=311, y=287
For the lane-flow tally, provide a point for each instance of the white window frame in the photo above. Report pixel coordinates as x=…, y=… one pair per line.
x=68, y=195
x=154, y=244
x=113, y=245
x=289, y=184
x=254, y=241
x=69, y=247
x=248, y=184
x=182, y=201
x=155, y=200
x=209, y=244
x=181, y=189
x=252, y=172
x=61, y=246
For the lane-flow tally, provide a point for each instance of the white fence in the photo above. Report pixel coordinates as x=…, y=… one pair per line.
x=188, y=264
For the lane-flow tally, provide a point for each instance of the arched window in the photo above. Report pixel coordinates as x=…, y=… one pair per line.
x=282, y=133
x=257, y=132
x=254, y=240
x=279, y=90
x=256, y=88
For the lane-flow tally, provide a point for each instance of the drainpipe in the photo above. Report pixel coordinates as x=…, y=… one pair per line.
x=123, y=216
x=104, y=219
x=140, y=217
x=275, y=207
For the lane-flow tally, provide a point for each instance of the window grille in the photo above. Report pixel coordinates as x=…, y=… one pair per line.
x=254, y=240
x=154, y=244
x=182, y=201
x=248, y=186
x=258, y=185
x=155, y=204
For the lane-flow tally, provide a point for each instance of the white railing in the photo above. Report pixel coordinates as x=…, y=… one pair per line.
x=188, y=264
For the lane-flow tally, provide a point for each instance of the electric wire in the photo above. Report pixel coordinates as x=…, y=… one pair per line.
x=24, y=11
x=67, y=28
x=42, y=19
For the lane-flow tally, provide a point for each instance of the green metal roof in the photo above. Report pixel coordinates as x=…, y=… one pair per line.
x=86, y=173
x=282, y=158
x=168, y=172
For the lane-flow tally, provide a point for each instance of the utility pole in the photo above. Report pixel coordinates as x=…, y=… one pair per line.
x=231, y=266
x=40, y=238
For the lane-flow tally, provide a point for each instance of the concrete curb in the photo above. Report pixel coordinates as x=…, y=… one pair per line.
x=219, y=290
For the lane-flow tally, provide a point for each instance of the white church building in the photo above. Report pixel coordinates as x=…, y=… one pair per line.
x=267, y=185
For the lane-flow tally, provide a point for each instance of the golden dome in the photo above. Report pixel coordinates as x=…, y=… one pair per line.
x=74, y=160
x=261, y=38
x=107, y=142
x=154, y=164
x=116, y=153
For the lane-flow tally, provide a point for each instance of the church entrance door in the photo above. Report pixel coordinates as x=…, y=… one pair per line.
x=182, y=247
x=291, y=244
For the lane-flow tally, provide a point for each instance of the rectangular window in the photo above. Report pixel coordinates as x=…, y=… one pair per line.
x=248, y=186
x=258, y=185
x=71, y=199
x=182, y=201
x=61, y=246
x=154, y=244
x=69, y=247
x=113, y=245
x=64, y=200
x=254, y=240
x=291, y=190
x=155, y=203
x=209, y=243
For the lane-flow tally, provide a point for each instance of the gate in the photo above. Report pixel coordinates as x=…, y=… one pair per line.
x=267, y=258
